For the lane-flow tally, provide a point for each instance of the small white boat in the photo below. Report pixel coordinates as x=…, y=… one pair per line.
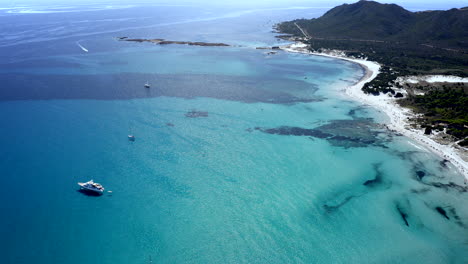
x=91, y=186
x=131, y=137
x=147, y=85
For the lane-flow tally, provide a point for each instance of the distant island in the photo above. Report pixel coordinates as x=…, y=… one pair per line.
x=166, y=42
x=423, y=58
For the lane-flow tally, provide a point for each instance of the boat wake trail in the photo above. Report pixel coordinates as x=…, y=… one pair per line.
x=83, y=48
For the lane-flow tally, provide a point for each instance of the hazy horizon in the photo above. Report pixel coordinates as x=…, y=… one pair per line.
x=411, y=5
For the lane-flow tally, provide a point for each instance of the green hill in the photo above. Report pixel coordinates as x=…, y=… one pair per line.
x=368, y=20
x=404, y=43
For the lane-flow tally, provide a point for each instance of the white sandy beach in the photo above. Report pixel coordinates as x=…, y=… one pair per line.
x=398, y=115
x=432, y=79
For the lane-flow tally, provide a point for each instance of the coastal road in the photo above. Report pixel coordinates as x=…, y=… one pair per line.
x=302, y=30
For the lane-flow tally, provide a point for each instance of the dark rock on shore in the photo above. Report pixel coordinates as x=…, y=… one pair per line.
x=428, y=130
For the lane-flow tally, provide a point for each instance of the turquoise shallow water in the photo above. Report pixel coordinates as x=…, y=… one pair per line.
x=283, y=169
x=206, y=190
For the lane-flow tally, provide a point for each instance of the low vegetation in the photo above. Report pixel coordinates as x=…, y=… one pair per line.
x=410, y=45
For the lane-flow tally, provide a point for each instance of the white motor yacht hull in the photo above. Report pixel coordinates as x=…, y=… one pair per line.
x=84, y=187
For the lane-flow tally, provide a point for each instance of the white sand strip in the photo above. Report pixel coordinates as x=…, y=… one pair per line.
x=432, y=79
x=398, y=116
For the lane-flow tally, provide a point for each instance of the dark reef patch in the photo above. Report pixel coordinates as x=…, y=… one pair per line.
x=341, y=133
x=456, y=217
x=345, y=195
x=441, y=211
x=373, y=182
x=378, y=179
x=406, y=155
x=194, y=114
x=403, y=215
x=448, y=186
x=420, y=191
x=426, y=177
x=419, y=171
x=420, y=174
x=449, y=213
x=332, y=208
x=169, y=124
x=443, y=163
x=295, y=131
x=356, y=112
x=431, y=181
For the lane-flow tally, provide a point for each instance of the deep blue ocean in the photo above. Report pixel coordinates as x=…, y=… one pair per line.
x=240, y=156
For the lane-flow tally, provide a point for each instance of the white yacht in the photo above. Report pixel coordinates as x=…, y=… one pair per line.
x=147, y=85
x=131, y=137
x=91, y=186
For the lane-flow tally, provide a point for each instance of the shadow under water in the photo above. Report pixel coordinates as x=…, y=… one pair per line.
x=89, y=193
x=131, y=85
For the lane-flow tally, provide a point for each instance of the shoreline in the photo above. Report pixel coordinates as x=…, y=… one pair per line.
x=398, y=115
